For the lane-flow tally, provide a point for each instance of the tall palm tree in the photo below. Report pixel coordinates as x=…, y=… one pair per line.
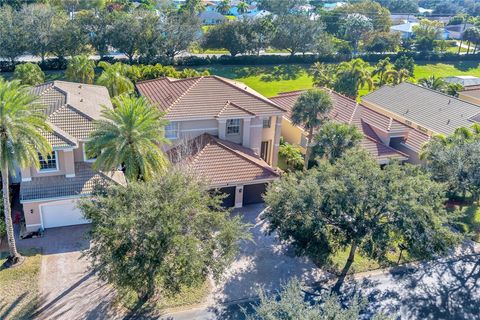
x=334, y=138
x=323, y=75
x=433, y=83
x=356, y=69
x=311, y=111
x=382, y=67
x=130, y=136
x=29, y=74
x=224, y=7
x=21, y=124
x=242, y=7
x=80, y=69
x=453, y=89
x=114, y=77
x=396, y=76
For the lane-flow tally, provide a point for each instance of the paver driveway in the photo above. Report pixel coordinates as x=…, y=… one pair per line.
x=67, y=289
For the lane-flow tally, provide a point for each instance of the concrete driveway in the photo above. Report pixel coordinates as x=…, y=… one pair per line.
x=68, y=290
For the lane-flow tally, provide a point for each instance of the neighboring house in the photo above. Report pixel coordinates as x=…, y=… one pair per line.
x=465, y=81
x=405, y=30
x=346, y=110
x=211, y=18
x=456, y=31
x=333, y=5
x=428, y=111
x=403, y=18
x=227, y=133
x=256, y=14
x=470, y=94
x=49, y=194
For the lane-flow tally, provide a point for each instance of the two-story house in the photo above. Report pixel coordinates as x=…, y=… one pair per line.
x=227, y=133
x=49, y=194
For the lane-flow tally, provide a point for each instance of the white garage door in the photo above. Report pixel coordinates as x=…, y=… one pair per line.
x=61, y=214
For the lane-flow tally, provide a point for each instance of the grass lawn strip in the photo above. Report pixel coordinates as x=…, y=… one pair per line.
x=19, y=287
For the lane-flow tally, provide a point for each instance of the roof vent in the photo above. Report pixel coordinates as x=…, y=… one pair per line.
x=81, y=100
x=448, y=122
x=246, y=88
x=407, y=111
x=80, y=86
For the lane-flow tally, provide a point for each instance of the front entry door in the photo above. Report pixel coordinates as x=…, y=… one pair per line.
x=264, y=151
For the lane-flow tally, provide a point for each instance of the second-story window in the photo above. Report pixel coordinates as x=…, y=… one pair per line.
x=49, y=163
x=171, y=130
x=267, y=123
x=233, y=126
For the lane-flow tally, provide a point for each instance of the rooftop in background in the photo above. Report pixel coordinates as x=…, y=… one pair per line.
x=346, y=110
x=209, y=97
x=427, y=110
x=465, y=81
x=405, y=27
x=71, y=108
x=221, y=163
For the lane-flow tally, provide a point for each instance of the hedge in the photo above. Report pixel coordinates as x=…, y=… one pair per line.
x=61, y=64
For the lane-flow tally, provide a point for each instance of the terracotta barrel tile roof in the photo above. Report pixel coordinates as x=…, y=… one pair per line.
x=221, y=163
x=204, y=97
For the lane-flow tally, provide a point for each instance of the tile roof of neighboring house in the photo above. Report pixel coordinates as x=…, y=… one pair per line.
x=221, y=163
x=346, y=110
x=61, y=187
x=205, y=98
x=472, y=91
x=432, y=110
x=71, y=109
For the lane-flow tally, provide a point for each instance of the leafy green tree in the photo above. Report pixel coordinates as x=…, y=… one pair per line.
x=311, y=111
x=354, y=26
x=291, y=304
x=356, y=205
x=280, y=7
x=80, y=69
x=472, y=35
x=432, y=82
x=426, y=32
x=20, y=143
x=126, y=34
x=292, y=155
x=297, y=33
x=160, y=236
x=231, y=36
x=379, y=16
x=351, y=76
x=400, y=6
x=396, y=77
x=114, y=77
x=178, y=33
x=381, y=68
x=68, y=39
x=96, y=25
x=453, y=89
x=40, y=25
x=130, y=136
x=193, y=7
x=404, y=62
x=29, y=74
x=13, y=38
x=334, y=139
x=381, y=42
x=323, y=74
x=151, y=34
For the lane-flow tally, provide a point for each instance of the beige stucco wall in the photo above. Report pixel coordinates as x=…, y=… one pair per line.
x=292, y=134
x=465, y=97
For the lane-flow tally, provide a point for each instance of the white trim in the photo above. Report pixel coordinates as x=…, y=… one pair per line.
x=202, y=129
x=51, y=170
x=256, y=126
x=55, y=198
x=34, y=225
x=70, y=175
x=26, y=179
x=68, y=150
x=243, y=183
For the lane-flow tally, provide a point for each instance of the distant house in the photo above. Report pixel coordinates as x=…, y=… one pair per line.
x=211, y=18
x=456, y=31
x=256, y=14
x=333, y=5
x=427, y=112
x=405, y=30
x=465, y=81
x=346, y=110
x=403, y=18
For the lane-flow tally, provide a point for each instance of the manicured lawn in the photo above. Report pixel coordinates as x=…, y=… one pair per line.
x=423, y=70
x=19, y=288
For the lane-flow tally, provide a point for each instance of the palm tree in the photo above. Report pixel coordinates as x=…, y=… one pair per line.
x=80, y=69
x=357, y=70
x=130, y=137
x=242, y=7
x=291, y=154
x=453, y=89
x=224, y=7
x=311, y=111
x=471, y=35
x=29, y=74
x=21, y=124
x=114, y=77
x=382, y=67
x=432, y=82
x=396, y=76
x=323, y=75
x=334, y=138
